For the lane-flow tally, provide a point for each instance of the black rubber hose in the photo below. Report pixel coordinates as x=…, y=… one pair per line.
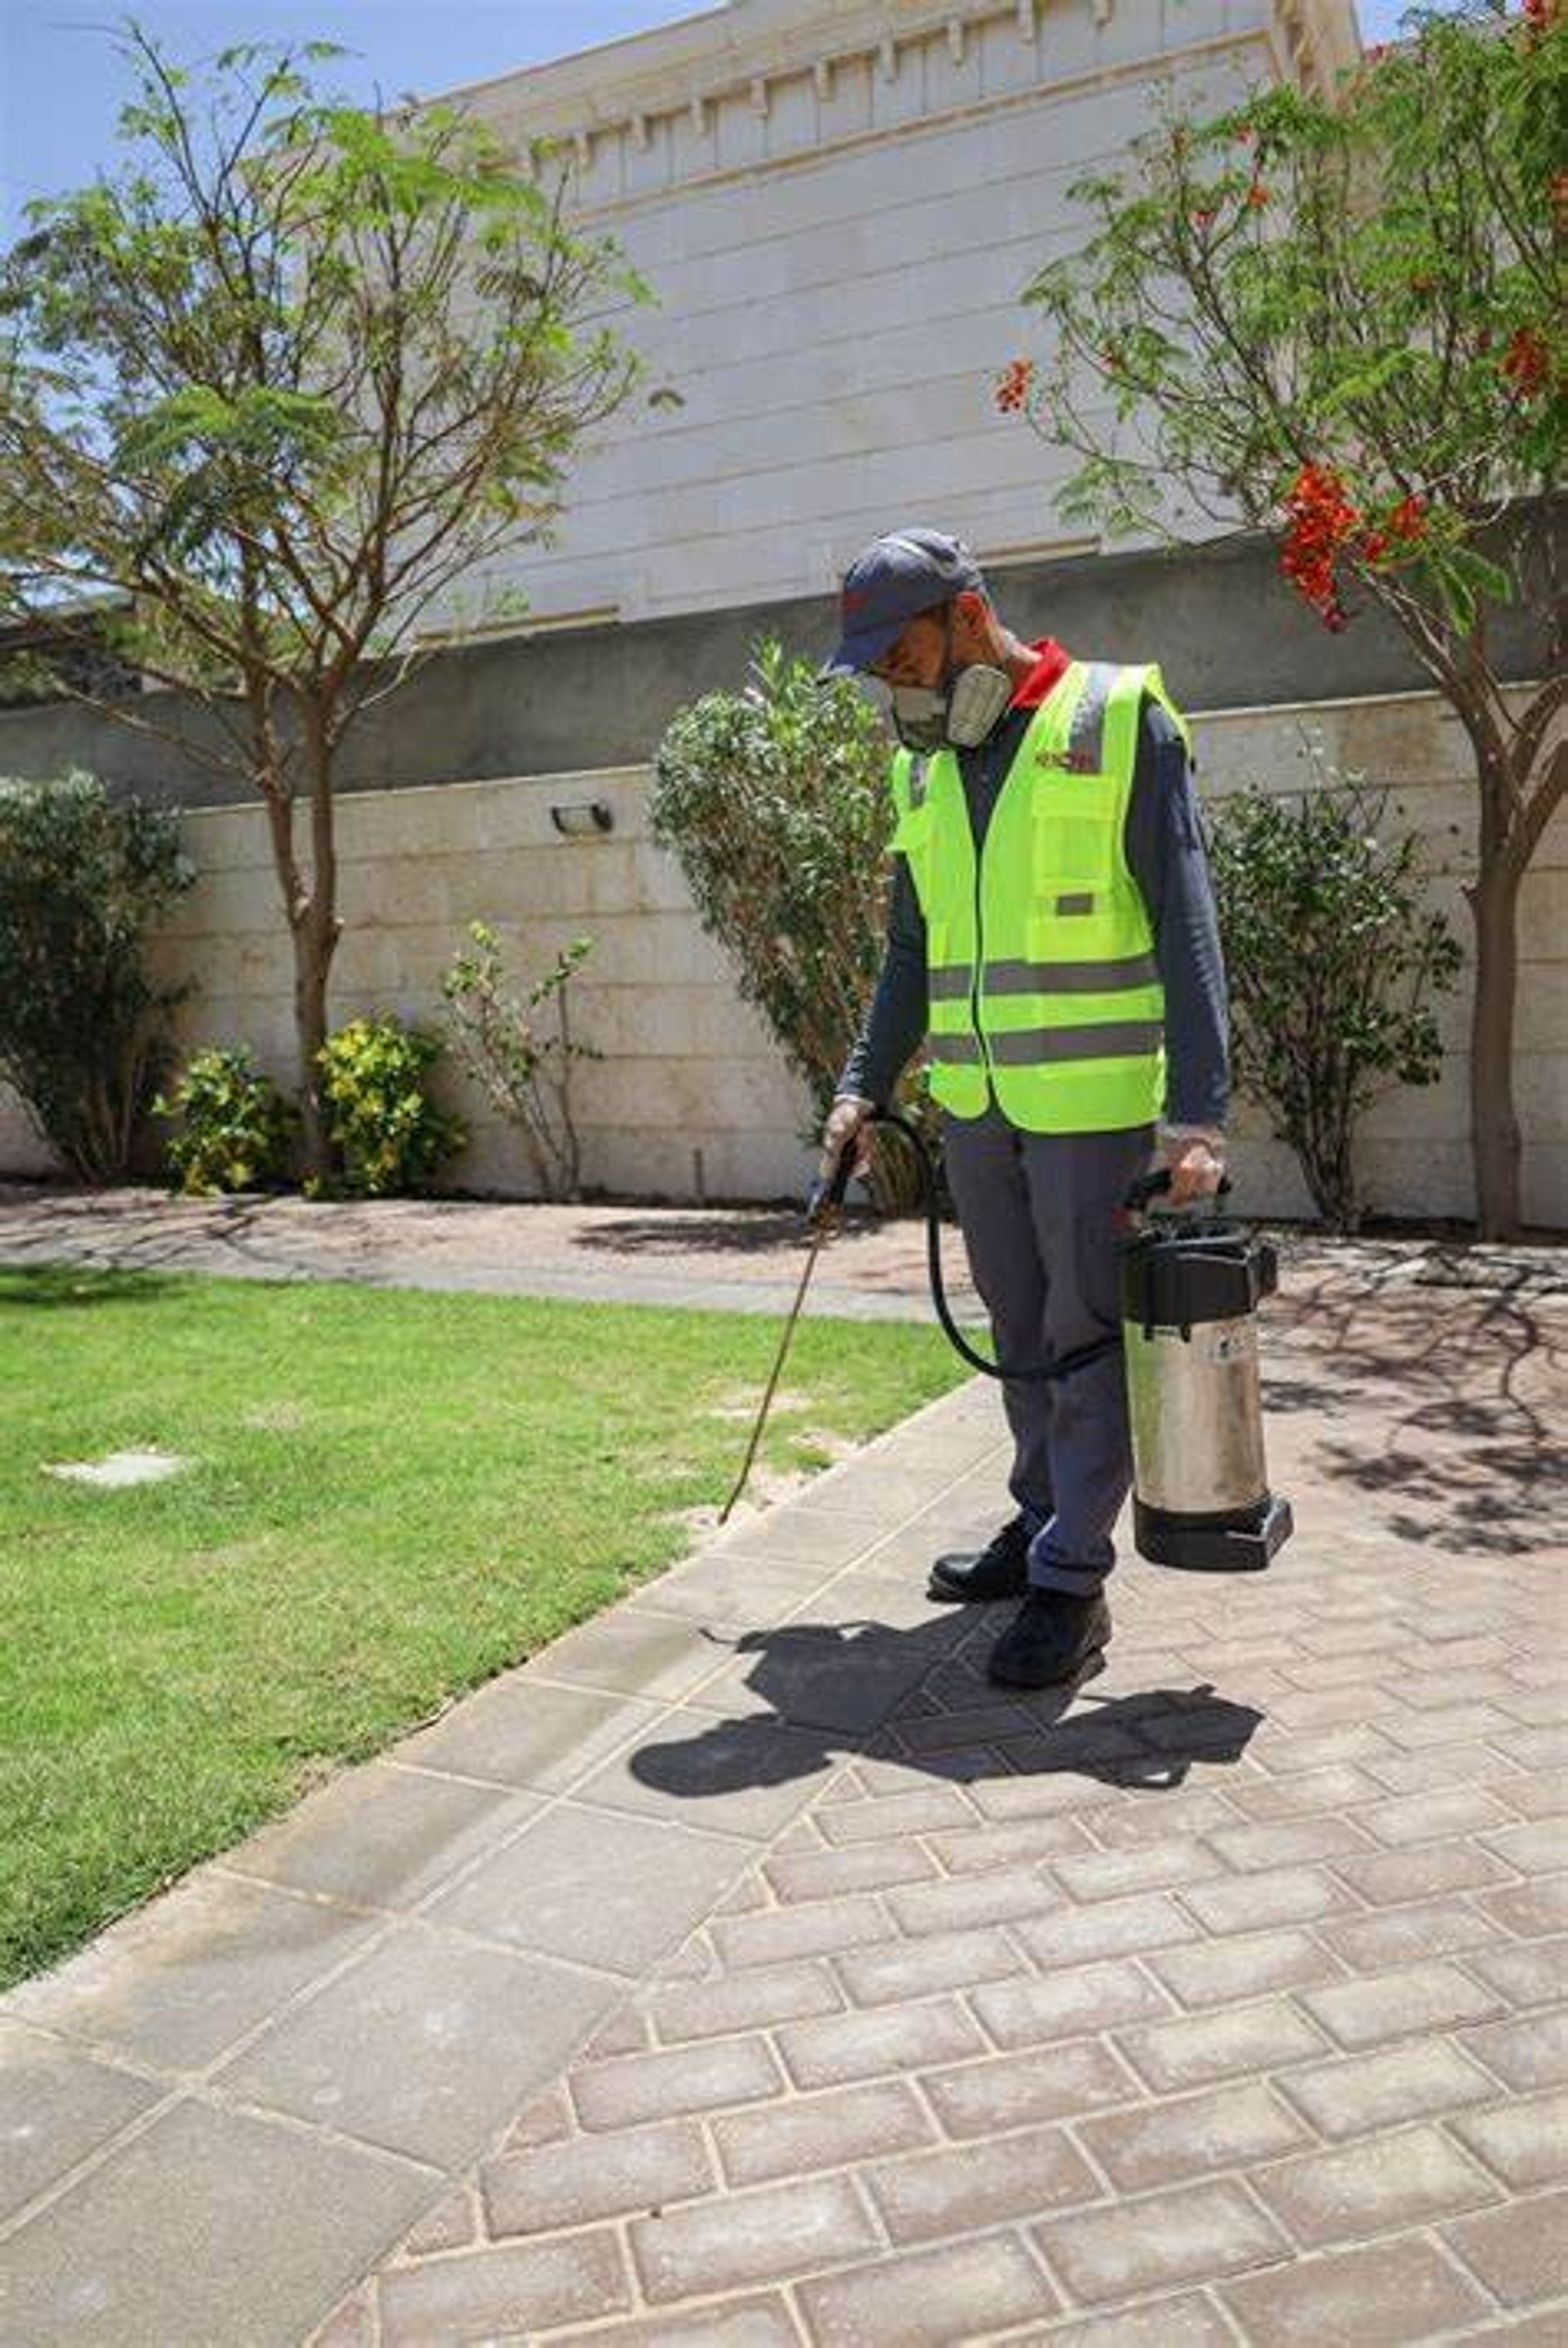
x=829, y=1192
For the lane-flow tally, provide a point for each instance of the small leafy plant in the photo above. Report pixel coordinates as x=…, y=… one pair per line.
x=236, y=1129
x=500, y=1040
x=390, y=1135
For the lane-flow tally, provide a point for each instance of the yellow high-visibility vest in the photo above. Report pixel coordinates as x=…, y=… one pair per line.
x=1040, y=968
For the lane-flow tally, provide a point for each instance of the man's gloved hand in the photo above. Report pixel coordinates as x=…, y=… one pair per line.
x=846, y=1128
x=1196, y=1158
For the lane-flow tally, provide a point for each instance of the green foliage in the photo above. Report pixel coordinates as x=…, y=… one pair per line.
x=501, y=1042
x=82, y=1035
x=1370, y=283
x=1333, y=962
x=236, y=1128
x=776, y=801
x=286, y=333
x=390, y=1133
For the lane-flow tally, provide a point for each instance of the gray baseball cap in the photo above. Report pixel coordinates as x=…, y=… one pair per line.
x=888, y=583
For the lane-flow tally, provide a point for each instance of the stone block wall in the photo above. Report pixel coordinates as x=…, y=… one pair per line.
x=689, y=1068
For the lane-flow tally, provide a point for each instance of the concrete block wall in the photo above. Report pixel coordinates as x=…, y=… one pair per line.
x=688, y=1066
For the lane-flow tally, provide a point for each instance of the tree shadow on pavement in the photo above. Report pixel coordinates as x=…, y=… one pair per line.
x=1441, y=1414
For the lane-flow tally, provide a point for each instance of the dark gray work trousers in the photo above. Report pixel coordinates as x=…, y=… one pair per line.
x=1039, y=1213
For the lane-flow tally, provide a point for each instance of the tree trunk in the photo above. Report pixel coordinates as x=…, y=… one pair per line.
x=315, y=941
x=1494, y=1124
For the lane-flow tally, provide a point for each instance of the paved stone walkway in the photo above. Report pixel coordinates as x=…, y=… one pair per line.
x=741, y=1259
x=746, y=1970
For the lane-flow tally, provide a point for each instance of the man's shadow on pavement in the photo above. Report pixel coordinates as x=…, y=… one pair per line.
x=831, y=1689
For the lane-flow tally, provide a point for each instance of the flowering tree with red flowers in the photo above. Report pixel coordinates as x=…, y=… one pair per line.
x=1342, y=322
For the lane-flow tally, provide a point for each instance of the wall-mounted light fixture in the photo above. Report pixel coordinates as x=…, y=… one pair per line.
x=581, y=818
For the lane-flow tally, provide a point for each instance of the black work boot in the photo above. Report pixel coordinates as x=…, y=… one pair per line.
x=1054, y=1637
x=1000, y=1570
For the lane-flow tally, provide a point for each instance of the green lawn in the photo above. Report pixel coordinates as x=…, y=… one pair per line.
x=396, y=1494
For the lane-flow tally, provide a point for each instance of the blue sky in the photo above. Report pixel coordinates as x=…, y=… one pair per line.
x=60, y=81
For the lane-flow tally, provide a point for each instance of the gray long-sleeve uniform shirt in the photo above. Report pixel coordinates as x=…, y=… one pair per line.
x=1163, y=840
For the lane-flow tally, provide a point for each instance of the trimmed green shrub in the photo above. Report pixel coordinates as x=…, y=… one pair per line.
x=236, y=1127
x=381, y=1118
x=1333, y=959
x=776, y=802
x=83, y=1040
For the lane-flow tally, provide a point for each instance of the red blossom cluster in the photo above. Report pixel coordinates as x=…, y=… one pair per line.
x=1013, y=385
x=1325, y=526
x=1524, y=362
x=1322, y=520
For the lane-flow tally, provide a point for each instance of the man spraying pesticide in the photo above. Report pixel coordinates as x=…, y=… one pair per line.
x=1052, y=939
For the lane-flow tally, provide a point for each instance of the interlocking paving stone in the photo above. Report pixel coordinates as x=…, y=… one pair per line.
x=1531, y=1909
x=747, y=2000
x=865, y=1866
x=962, y=1900
x=594, y=2177
x=1258, y=2037
x=1395, y=1936
x=1285, y=1895
x=513, y=2289
x=205, y=2228
x=1111, y=1927
x=825, y=2131
x=1400, y=2082
x=927, y=2194
x=1008, y=2091
x=1529, y=1973
x=920, y=1810
x=920, y=1968
x=639, y=2088
x=1395, y=1877
x=929, y=2298
x=762, y=2236
x=1520, y=2252
x=1198, y=2232
x=847, y=2047
x=1525, y=2141
x=1394, y=2005
x=56, y=2104
x=1222, y=1971
x=1395, y=2291
x=1068, y=2005
x=760, y=2322
x=1526, y=2054
x=1406, y=2178
x=477, y=2031
x=609, y=1891
x=815, y=1928
x=1224, y=2127
x=1187, y=2322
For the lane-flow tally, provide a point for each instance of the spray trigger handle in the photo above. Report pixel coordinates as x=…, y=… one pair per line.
x=828, y=1190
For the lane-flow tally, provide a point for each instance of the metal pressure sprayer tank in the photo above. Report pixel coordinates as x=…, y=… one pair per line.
x=1191, y=1287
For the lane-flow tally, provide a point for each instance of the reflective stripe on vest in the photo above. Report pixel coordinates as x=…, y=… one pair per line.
x=1070, y=1010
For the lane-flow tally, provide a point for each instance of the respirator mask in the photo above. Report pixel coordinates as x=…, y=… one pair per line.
x=958, y=714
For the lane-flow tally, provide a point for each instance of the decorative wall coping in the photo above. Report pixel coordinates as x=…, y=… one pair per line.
x=741, y=51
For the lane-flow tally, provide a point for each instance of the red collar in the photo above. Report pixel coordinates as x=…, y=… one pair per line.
x=1051, y=664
